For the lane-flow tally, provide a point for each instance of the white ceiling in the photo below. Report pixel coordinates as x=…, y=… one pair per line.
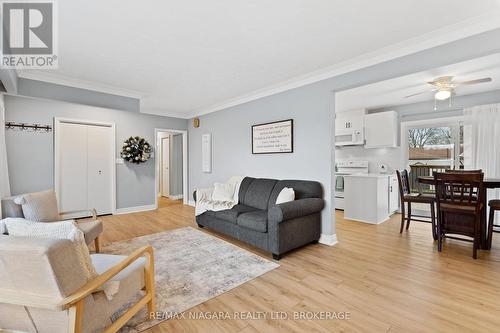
x=191, y=57
x=393, y=92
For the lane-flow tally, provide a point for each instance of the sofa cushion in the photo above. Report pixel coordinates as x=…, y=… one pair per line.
x=256, y=220
x=232, y=214
x=258, y=193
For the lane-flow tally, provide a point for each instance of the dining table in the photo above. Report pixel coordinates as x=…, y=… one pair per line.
x=489, y=183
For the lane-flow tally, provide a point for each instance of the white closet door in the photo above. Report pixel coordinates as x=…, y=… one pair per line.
x=100, y=153
x=72, y=188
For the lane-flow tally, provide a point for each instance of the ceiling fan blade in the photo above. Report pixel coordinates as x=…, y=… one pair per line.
x=484, y=80
x=419, y=93
x=441, y=81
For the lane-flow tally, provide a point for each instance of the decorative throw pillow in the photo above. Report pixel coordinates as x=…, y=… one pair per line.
x=287, y=194
x=223, y=192
x=39, y=206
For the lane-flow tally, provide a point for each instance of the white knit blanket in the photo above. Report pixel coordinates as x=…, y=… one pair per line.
x=205, y=203
x=61, y=230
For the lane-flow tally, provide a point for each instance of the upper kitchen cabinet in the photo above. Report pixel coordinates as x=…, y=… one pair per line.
x=349, y=128
x=381, y=129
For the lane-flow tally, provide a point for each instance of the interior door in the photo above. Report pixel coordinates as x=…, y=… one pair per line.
x=72, y=166
x=100, y=154
x=165, y=165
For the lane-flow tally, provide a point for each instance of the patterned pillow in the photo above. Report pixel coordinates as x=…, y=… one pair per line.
x=39, y=206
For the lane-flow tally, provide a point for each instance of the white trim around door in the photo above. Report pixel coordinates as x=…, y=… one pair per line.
x=185, y=189
x=57, y=123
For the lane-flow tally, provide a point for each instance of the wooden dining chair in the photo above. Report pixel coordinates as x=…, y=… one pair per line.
x=458, y=198
x=407, y=197
x=494, y=207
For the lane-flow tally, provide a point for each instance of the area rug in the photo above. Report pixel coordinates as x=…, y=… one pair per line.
x=191, y=267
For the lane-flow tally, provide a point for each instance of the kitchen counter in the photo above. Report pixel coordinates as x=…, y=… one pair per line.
x=369, y=198
x=368, y=175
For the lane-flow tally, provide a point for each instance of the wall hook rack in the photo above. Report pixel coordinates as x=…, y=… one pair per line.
x=10, y=125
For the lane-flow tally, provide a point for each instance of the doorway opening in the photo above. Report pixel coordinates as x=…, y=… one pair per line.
x=171, y=167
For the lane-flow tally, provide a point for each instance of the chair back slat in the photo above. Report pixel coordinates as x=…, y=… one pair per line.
x=404, y=182
x=459, y=188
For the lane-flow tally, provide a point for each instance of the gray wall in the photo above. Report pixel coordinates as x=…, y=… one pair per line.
x=395, y=157
x=9, y=78
x=312, y=109
x=30, y=155
x=52, y=91
x=176, y=165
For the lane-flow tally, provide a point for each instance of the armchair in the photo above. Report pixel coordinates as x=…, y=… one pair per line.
x=43, y=288
x=92, y=229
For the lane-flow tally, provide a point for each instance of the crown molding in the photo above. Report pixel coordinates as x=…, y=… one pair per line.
x=448, y=34
x=81, y=84
x=164, y=113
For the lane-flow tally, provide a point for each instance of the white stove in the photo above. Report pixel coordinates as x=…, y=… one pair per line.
x=343, y=168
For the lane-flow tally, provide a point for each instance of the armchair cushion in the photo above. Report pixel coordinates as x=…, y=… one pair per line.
x=91, y=230
x=294, y=209
x=39, y=206
x=130, y=280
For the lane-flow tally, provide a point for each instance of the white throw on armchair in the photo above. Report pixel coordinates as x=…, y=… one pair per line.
x=42, y=207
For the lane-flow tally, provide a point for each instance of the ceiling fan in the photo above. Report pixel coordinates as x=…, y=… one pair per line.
x=444, y=87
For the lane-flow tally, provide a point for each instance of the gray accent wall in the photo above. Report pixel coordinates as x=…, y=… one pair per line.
x=52, y=91
x=312, y=108
x=30, y=155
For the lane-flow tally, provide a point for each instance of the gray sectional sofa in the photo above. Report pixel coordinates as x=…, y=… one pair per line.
x=258, y=221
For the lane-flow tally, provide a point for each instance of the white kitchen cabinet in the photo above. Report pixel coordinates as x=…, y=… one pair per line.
x=346, y=122
x=393, y=194
x=349, y=127
x=381, y=129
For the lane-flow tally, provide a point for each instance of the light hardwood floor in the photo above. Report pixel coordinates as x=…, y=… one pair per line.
x=387, y=281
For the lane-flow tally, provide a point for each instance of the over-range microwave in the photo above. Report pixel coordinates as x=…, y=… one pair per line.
x=355, y=138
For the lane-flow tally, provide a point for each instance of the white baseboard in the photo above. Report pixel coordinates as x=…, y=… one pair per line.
x=136, y=209
x=176, y=197
x=191, y=203
x=329, y=240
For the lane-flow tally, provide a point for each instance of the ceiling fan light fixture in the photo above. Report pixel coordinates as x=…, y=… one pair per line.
x=441, y=95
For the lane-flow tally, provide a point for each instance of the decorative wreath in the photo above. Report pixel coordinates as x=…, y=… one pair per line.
x=136, y=150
